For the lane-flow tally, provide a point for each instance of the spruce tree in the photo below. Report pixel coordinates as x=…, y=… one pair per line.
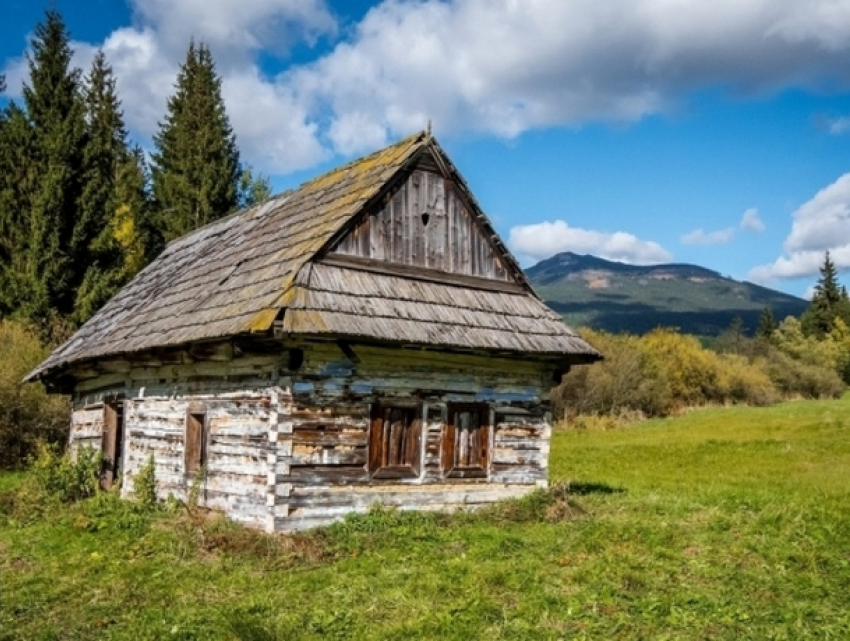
x=16, y=182
x=195, y=165
x=767, y=325
x=113, y=206
x=830, y=301
x=253, y=189
x=54, y=108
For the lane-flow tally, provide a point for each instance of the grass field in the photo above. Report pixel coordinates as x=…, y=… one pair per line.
x=721, y=524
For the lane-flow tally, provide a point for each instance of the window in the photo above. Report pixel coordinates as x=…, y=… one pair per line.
x=466, y=441
x=195, y=454
x=395, y=437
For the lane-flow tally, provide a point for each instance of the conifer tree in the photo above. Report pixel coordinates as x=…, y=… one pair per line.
x=830, y=301
x=16, y=181
x=195, y=165
x=253, y=189
x=767, y=325
x=54, y=109
x=113, y=206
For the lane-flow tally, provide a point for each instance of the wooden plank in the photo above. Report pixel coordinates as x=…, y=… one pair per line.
x=421, y=273
x=328, y=438
x=329, y=456
x=327, y=475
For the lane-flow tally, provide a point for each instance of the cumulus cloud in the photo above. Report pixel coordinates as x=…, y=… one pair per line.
x=274, y=131
x=751, y=221
x=541, y=240
x=492, y=66
x=502, y=67
x=822, y=224
x=701, y=237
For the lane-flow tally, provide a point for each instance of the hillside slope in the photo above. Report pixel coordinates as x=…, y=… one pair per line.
x=593, y=292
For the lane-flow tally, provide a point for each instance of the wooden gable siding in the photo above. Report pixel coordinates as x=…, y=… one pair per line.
x=426, y=224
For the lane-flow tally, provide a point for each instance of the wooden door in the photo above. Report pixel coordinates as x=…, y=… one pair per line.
x=112, y=442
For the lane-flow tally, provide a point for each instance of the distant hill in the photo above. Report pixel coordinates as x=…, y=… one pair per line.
x=593, y=292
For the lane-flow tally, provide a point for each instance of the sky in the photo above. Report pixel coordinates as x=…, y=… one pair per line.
x=644, y=131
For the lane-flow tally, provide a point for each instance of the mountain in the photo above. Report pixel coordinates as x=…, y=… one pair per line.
x=593, y=292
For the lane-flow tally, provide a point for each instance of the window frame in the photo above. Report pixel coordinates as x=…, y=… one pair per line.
x=452, y=442
x=407, y=461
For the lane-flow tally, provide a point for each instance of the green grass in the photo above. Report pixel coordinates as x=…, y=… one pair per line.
x=721, y=524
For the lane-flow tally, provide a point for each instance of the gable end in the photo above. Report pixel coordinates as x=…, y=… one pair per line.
x=425, y=222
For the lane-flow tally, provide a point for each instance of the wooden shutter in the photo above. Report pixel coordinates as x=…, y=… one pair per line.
x=195, y=446
x=394, y=442
x=466, y=441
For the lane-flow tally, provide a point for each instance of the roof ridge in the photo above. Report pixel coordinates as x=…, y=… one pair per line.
x=423, y=135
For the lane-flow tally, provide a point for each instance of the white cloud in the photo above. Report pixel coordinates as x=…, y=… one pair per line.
x=492, y=66
x=502, y=66
x=541, y=240
x=819, y=225
x=751, y=221
x=274, y=131
x=235, y=30
x=838, y=126
x=700, y=237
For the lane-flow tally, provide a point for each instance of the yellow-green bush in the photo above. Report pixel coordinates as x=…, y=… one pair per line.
x=691, y=370
x=28, y=415
x=664, y=371
x=742, y=381
x=628, y=378
x=795, y=378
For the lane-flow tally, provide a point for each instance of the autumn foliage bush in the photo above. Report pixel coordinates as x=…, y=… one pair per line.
x=28, y=415
x=664, y=372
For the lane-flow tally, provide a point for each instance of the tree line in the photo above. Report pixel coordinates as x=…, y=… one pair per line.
x=82, y=209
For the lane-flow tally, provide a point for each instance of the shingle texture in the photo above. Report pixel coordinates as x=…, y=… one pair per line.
x=235, y=276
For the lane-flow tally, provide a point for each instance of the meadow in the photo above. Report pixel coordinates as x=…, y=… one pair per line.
x=723, y=523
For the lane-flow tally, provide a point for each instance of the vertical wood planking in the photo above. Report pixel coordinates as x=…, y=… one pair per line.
x=451, y=241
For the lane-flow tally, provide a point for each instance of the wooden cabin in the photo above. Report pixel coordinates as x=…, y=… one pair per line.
x=366, y=338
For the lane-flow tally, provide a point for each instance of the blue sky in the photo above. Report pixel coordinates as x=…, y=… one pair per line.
x=638, y=130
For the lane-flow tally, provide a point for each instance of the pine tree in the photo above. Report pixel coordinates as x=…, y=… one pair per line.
x=767, y=325
x=830, y=301
x=16, y=182
x=253, y=189
x=195, y=166
x=113, y=205
x=54, y=109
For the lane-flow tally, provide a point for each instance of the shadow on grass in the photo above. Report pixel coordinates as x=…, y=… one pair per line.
x=583, y=489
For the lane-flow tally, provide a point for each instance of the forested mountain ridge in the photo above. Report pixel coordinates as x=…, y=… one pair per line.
x=594, y=292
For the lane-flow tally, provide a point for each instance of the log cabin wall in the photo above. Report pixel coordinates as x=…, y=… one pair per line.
x=289, y=450
x=239, y=424
x=86, y=427
x=328, y=429
x=425, y=223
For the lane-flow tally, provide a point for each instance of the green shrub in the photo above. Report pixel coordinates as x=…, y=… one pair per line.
x=665, y=372
x=743, y=381
x=794, y=378
x=690, y=369
x=65, y=478
x=144, y=485
x=629, y=378
x=28, y=415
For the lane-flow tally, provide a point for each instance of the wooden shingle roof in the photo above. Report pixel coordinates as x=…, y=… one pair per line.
x=239, y=274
